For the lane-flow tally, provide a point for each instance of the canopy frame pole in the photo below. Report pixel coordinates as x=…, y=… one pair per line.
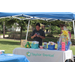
x=74, y=28
x=27, y=29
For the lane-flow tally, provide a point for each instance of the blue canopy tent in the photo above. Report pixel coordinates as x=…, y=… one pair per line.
x=45, y=15
x=52, y=15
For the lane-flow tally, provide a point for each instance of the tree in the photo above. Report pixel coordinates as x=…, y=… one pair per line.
x=69, y=26
x=23, y=25
x=34, y=22
x=10, y=22
x=1, y=27
x=3, y=23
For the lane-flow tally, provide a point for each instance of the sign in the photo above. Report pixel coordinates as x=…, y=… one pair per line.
x=39, y=54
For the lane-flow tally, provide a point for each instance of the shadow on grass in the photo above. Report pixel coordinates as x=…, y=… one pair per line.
x=9, y=42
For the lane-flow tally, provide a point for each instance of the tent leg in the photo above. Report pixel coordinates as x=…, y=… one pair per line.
x=74, y=28
x=27, y=29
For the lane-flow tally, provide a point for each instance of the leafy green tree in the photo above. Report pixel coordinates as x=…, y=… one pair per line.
x=70, y=26
x=23, y=25
x=10, y=22
x=3, y=26
x=34, y=22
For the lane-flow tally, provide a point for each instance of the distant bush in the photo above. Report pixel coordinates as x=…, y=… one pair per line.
x=55, y=30
x=50, y=35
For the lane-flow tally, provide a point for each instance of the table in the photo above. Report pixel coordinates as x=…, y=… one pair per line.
x=13, y=58
x=44, y=55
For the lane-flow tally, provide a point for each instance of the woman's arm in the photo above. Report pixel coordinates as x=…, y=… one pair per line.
x=33, y=36
x=42, y=37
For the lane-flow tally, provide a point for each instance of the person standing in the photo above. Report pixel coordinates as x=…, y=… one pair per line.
x=63, y=27
x=38, y=34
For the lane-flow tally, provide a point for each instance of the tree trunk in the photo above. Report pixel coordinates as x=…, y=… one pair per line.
x=14, y=34
x=21, y=34
x=3, y=29
x=50, y=29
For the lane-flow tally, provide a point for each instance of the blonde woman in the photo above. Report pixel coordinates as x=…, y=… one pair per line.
x=63, y=27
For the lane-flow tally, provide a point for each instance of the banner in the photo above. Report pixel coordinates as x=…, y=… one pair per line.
x=37, y=55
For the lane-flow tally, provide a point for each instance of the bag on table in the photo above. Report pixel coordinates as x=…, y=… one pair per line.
x=23, y=43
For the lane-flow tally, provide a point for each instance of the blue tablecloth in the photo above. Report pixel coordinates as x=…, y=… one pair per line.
x=13, y=58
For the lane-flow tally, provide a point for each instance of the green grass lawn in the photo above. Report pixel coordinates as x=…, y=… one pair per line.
x=73, y=49
x=10, y=45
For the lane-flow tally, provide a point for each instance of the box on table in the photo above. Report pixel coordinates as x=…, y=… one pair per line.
x=51, y=47
x=35, y=45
